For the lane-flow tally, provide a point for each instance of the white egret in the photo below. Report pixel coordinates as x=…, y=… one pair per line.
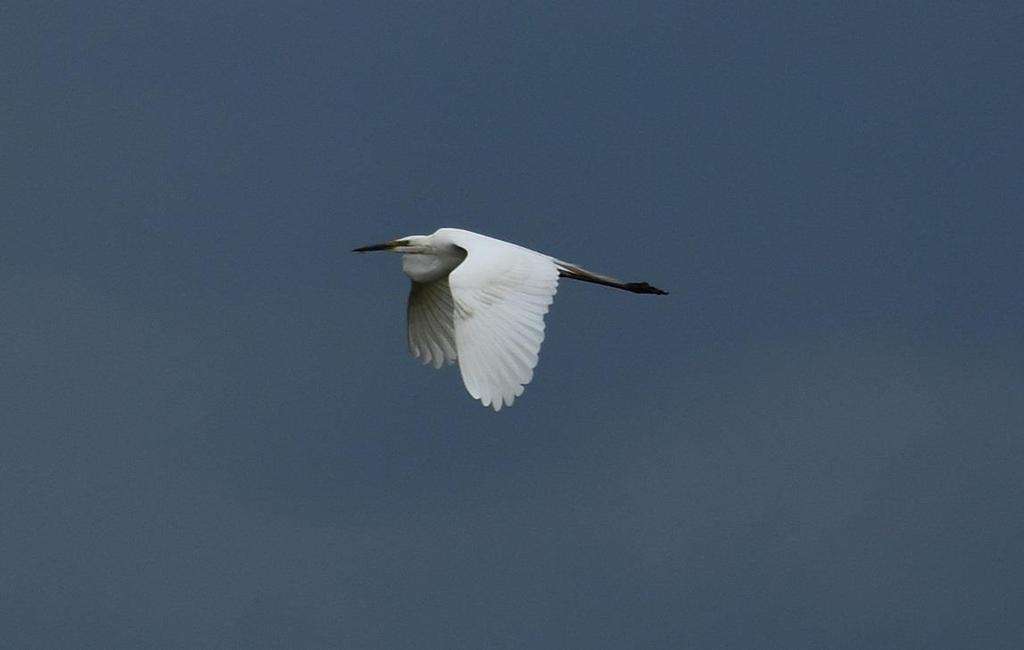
x=481, y=301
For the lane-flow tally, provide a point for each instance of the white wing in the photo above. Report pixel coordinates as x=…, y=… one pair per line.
x=431, y=329
x=500, y=294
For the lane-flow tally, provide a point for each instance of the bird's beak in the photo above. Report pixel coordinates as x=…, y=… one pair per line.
x=386, y=246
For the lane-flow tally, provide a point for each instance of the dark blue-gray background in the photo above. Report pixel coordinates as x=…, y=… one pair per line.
x=213, y=435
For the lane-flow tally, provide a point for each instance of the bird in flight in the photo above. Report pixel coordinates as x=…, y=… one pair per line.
x=481, y=301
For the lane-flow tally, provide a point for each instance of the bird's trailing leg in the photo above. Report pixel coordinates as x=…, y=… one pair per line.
x=574, y=272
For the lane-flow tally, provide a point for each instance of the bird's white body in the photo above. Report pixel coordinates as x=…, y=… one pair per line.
x=481, y=301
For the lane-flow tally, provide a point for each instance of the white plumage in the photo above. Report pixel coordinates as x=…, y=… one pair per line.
x=481, y=301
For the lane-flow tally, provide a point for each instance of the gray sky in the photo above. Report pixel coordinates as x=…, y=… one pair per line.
x=214, y=436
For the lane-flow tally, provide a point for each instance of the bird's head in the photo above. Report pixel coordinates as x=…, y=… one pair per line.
x=411, y=244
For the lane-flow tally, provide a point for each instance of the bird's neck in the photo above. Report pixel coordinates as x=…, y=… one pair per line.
x=427, y=267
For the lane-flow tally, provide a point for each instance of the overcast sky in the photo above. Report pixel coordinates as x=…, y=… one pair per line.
x=213, y=435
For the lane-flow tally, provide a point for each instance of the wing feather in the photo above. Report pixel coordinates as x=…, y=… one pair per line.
x=500, y=295
x=431, y=327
